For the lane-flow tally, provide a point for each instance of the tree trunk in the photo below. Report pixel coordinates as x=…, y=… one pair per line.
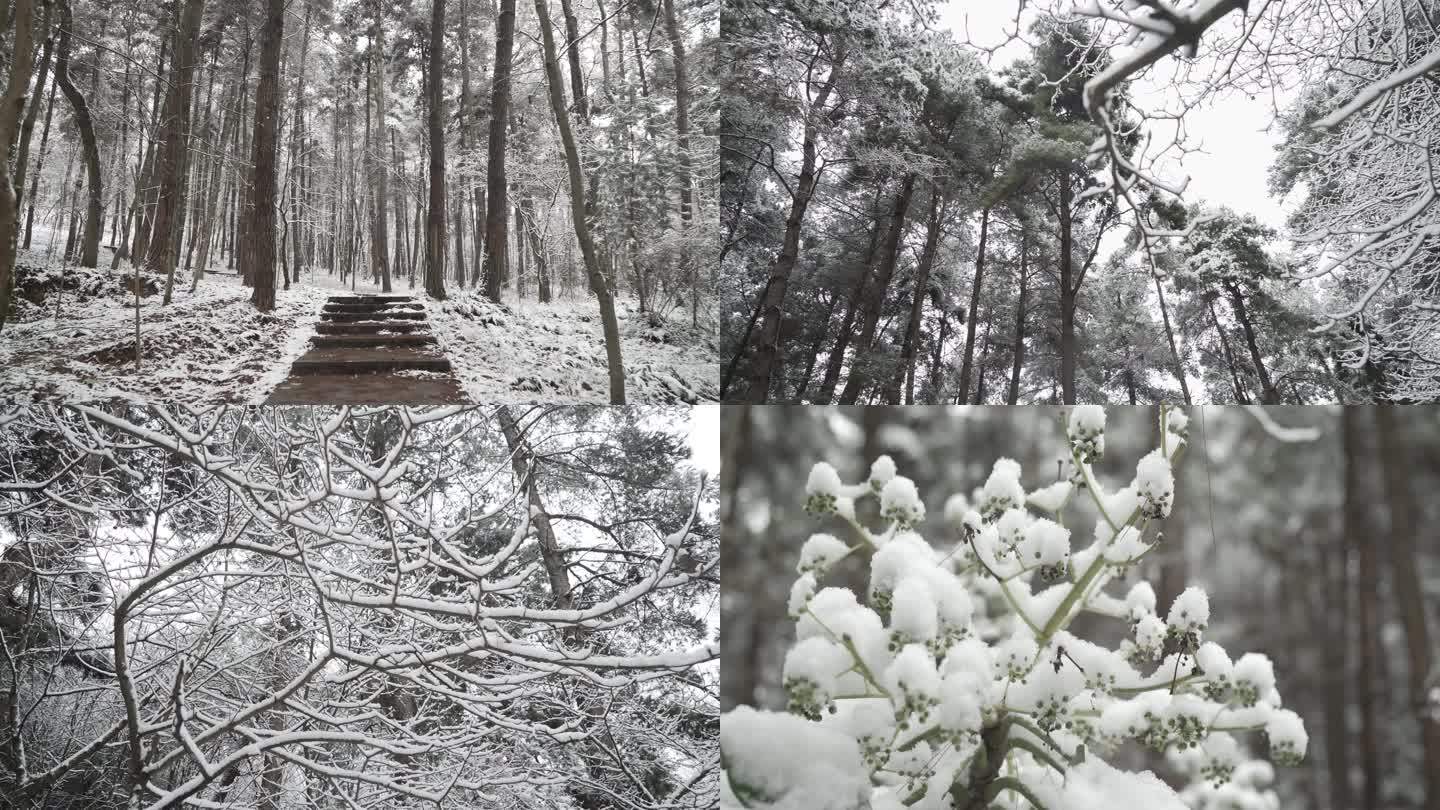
x=689, y=267
x=937, y=356
x=814, y=353
x=1170, y=337
x=435, y=219
x=1332, y=622
x=458, y=214
x=468, y=117
x=145, y=190
x=1068, y=292
x=967, y=360
x=1240, y=394
x=381, y=173
x=1406, y=523
x=229, y=121
x=598, y=283
x=32, y=111
x=859, y=372
x=1268, y=394
x=521, y=250
x=298, y=149
x=173, y=163
x=90, y=241
x=767, y=344
x=980, y=369
x=524, y=464
x=537, y=249
x=497, y=210
x=836, y=361
x=260, y=242
x=12, y=106
x=39, y=164
x=1357, y=530
x=1012, y=397
x=917, y=305
x=195, y=220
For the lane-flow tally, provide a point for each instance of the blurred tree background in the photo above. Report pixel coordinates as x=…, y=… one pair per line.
x=1313, y=530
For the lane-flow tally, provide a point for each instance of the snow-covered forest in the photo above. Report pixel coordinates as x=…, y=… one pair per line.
x=190, y=181
x=371, y=607
x=949, y=607
x=954, y=201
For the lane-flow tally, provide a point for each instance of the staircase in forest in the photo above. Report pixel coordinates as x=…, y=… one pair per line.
x=370, y=349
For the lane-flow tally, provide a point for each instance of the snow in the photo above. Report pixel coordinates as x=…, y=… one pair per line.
x=906, y=555
x=530, y=352
x=1002, y=489
x=1149, y=633
x=1095, y=785
x=791, y=762
x=900, y=502
x=209, y=346
x=1014, y=656
x=820, y=552
x=1190, y=612
x=1122, y=720
x=952, y=600
x=1214, y=661
x=973, y=656
x=1086, y=421
x=861, y=718
x=1046, y=686
x=1177, y=421
x=1046, y=543
x=823, y=480
x=913, y=610
x=1287, y=735
x=1127, y=545
x=818, y=660
x=1012, y=526
x=1122, y=503
x=881, y=471
x=959, y=706
x=1257, y=670
x=1155, y=484
x=835, y=614
x=1051, y=498
x=800, y=594
x=1140, y=599
x=913, y=671
x=1221, y=749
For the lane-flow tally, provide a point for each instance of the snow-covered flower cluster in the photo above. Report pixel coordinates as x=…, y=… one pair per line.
x=956, y=678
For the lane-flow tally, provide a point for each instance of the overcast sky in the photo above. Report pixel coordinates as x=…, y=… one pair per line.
x=1237, y=149
x=705, y=437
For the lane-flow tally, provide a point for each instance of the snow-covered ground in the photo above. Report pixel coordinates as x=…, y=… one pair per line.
x=556, y=353
x=212, y=346
x=206, y=346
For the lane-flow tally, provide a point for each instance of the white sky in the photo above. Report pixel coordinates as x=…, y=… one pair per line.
x=1237, y=149
x=705, y=437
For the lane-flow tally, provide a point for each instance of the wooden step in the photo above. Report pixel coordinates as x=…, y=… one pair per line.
x=368, y=327
x=368, y=360
x=417, y=315
x=371, y=340
x=378, y=308
x=367, y=299
x=367, y=389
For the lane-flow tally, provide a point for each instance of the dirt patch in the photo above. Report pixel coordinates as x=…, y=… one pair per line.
x=37, y=284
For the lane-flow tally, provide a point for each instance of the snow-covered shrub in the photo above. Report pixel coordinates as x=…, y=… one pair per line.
x=955, y=678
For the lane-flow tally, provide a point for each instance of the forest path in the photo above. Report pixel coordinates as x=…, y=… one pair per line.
x=370, y=349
